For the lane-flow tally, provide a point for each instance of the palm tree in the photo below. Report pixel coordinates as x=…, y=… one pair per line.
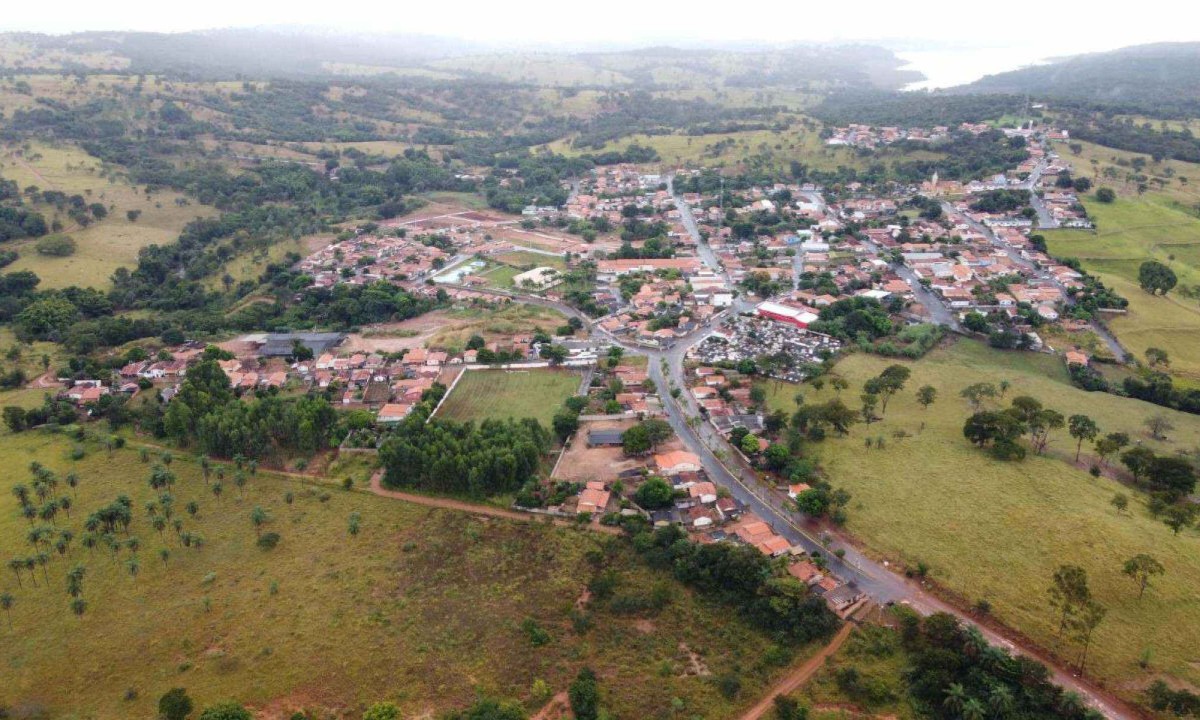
x=956, y=697
x=78, y=606
x=73, y=483
x=258, y=516
x=1000, y=700
x=133, y=566
x=159, y=524
x=205, y=467
x=75, y=581
x=64, y=504
x=31, y=565
x=192, y=508
x=17, y=565
x=43, y=559
x=6, y=603
x=973, y=710
x=355, y=520
x=165, y=554
x=217, y=488
x=21, y=493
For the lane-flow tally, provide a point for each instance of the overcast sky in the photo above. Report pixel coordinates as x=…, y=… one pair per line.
x=1069, y=25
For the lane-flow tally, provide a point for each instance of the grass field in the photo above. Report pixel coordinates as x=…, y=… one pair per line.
x=729, y=149
x=497, y=394
x=1111, y=167
x=733, y=149
x=995, y=530
x=105, y=245
x=424, y=607
x=493, y=323
x=1129, y=232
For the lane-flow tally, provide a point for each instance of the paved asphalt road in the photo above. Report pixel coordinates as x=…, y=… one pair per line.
x=874, y=578
x=1109, y=339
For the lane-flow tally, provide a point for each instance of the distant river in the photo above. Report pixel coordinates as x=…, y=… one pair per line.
x=947, y=68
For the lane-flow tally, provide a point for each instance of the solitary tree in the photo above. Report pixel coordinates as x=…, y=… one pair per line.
x=977, y=393
x=1089, y=617
x=584, y=694
x=1159, y=425
x=1120, y=501
x=258, y=516
x=1179, y=517
x=1140, y=568
x=1068, y=593
x=174, y=705
x=382, y=711
x=1082, y=428
x=6, y=603
x=926, y=395
x=1156, y=278
x=1156, y=357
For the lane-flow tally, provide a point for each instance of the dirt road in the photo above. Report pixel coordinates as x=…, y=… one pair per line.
x=477, y=509
x=798, y=677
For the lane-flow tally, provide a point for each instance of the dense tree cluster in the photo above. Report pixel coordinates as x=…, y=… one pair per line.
x=745, y=579
x=955, y=673
x=463, y=458
x=206, y=414
x=851, y=318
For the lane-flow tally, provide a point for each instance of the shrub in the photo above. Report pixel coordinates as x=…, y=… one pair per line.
x=268, y=540
x=56, y=246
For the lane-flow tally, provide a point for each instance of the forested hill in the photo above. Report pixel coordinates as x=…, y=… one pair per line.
x=297, y=53
x=1162, y=80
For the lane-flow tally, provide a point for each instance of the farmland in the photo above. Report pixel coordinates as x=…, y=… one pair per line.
x=1129, y=232
x=997, y=531
x=328, y=621
x=497, y=394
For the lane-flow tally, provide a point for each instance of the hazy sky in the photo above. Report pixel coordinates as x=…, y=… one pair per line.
x=1084, y=25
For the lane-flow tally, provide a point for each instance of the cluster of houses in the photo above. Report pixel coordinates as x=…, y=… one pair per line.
x=871, y=136
x=778, y=330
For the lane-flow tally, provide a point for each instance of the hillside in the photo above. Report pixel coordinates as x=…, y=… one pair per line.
x=305, y=54
x=1161, y=79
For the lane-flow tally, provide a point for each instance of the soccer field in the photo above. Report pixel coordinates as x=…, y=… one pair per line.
x=483, y=394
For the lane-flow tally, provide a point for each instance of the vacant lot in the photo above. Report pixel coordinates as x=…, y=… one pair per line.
x=484, y=394
x=1129, y=232
x=996, y=530
x=424, y=607
x=106, y=245
x=582, y=463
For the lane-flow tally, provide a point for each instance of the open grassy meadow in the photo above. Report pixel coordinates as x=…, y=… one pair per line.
x=730, y=149
x=997, y=531
x=1113, y=168
x=103, y=246
x=493, y=323
x=425, y=607
x=497, y=394
x=1129, y=232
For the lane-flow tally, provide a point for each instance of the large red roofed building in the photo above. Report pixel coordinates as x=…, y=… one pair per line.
x=779, y=312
